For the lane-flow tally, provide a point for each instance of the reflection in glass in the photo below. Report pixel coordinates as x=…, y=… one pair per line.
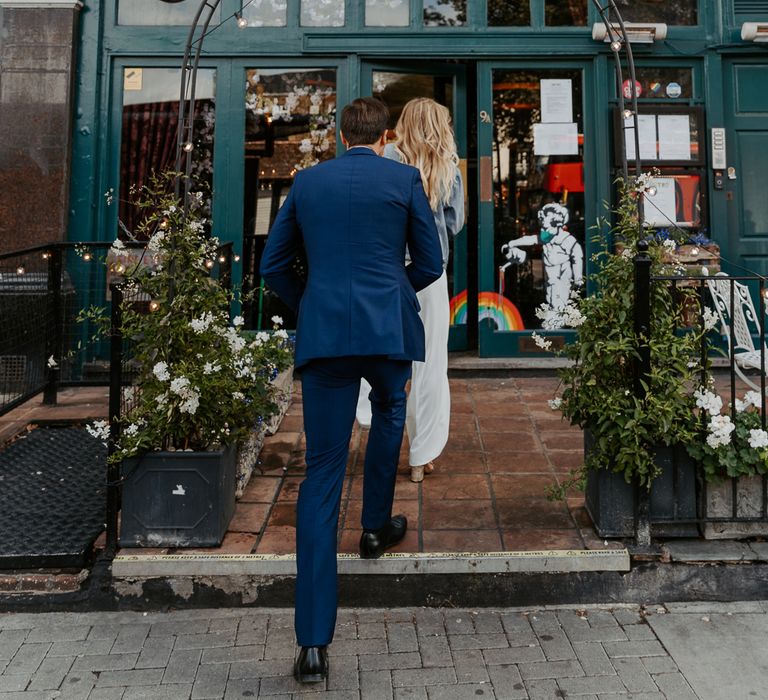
x=266, y=13
x=509, y=13
x=539, y=255
x=150, y=130
x=445, y=13
x=395, y=89
x=162, y=12
x=681, y=12
x=568, y=13
x=387, y=13
x=290, y=125
x=322, y=13
x=664, y=83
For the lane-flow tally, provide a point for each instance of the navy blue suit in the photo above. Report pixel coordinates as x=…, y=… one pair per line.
x=357, y=317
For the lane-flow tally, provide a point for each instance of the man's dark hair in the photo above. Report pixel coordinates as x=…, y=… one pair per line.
x=364, y=120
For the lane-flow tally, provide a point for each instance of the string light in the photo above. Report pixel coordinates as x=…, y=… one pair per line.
x=20, y=270
x=86, y=256
x=163, y=224
x=189, y=147
x=222, y=259
x=242, y=22
x=119, y=268
x=651, y=191
x=153, y=305
x=237, y=258
x=627, y=113
x=209, y=264
x=765, y=294
x=616, y=46
x=46, y=256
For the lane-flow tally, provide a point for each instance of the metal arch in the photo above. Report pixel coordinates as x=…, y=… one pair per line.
x=187, y=96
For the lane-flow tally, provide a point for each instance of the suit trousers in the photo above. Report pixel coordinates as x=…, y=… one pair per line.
x=330, y=389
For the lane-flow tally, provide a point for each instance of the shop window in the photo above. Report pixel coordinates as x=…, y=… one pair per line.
x=509, y=13
x=666, y=84
x=682, y=12
x=159, y=12
x=290, y=125
x=322, y=13
x=565, y=13
x=395, y=89
x=538, y=192
x=445, y=13
x=387, y=13
x=266, y=13
x=150, y=129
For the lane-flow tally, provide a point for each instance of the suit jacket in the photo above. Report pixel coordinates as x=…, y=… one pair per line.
x=354, y=215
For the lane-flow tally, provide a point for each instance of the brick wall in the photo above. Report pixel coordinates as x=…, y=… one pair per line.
x=37, y=47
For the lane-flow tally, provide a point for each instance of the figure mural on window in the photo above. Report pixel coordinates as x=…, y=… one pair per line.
x=562, y=254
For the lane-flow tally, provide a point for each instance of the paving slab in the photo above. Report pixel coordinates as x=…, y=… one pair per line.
x=723, y=657
x=704, y=550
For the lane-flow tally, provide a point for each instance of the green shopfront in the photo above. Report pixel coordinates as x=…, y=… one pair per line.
x=534, y=103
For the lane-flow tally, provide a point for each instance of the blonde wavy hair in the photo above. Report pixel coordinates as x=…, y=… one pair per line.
x=425, y=140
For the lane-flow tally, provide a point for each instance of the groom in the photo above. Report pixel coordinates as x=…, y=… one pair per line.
x=357, y=318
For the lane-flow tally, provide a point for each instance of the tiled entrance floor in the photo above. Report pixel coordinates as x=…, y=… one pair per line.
x=487, y=493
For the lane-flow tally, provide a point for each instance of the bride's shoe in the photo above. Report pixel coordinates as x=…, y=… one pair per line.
x=417, y=473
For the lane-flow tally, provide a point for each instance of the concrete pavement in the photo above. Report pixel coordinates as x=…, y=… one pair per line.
x=675, y=651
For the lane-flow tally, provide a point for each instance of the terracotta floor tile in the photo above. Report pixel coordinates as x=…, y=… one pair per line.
x=292, y=423
x=463, y=441
x=508, y=442
x=533, y=513
x=461, y=462
x=561, y=440
x=260, y=489
x=283, y=514
x=580, y=515
x=530, y=540
x=349, y=542
x=462, y=541
x=290, y=489
x=354, y=510
x=565, y=460
x=518, y=462
x=277, y=540
x=405, y=489
x=458, y=515
x=512, y=486
x=443, y=486
x=506, y=408
x=505, y=424
x=249, y=517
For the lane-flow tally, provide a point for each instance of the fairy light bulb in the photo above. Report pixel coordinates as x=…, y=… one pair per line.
x=242, y=22
x=627, y=113
x=651, y=191
x=616, y=46
x=119, y=268
x=189, y=147
x=86, y=256
x=236, y=258
x=20, y=270
x=163, y=224
x=222, y=259
x=209, y=264
x=154, y=305
x=46, y=256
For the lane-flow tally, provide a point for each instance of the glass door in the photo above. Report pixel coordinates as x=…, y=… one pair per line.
x=536, y=197
x=396, y=84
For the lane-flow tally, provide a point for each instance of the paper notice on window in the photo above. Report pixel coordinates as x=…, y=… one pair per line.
x=646, y=127
x=557, y=101
x=555, y=140
x=660, y=209
x=674, y=137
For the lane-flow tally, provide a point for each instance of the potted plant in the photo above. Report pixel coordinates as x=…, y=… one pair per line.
x=202, y=385
x=633, y=439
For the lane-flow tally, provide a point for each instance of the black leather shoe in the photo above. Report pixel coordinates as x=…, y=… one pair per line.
x=311, y=666
x=374, y=542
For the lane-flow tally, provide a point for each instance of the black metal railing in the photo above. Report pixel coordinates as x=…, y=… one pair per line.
x=739, y=330
x=46, y=342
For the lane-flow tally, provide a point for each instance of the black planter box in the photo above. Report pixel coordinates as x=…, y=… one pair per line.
x=611, y=501
x=177, y=499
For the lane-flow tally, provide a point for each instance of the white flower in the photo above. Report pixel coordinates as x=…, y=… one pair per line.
x=710, y=319
x=555, y=404
x=52, y=362
x=541, y=342
x=708, y=401
x=156, y=241
x=670, y=245
x=238, y=395
x=99, y=429
x=704, y=271
x=200, y=325
x=753, y=398
x=191, y=402
x=238, y=321
x=626, y=253
x=160, y=370
x=720, y=429
x=209, y=368
x=132, y=429
x=179, y=385
x=758, y=438
x=277, y=320
x=281, y=334
x=161, y=400
x=118, y=249
x=741, y=406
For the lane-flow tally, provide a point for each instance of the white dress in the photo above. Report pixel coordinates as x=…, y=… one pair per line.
x=428, y=413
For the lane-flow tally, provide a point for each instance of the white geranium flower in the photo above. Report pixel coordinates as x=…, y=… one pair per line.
x=160, y=370
x=708, y=401
x=555, y=404
x=277, y=320
x=753, y=398
x=758, y=438
x=52, y=362
x=180, y=385
x=281, y=334
x=541, y=342
x=669, y=245
x=710, y=319
x=191, y=402
x=720, y=429
x=238, y=321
